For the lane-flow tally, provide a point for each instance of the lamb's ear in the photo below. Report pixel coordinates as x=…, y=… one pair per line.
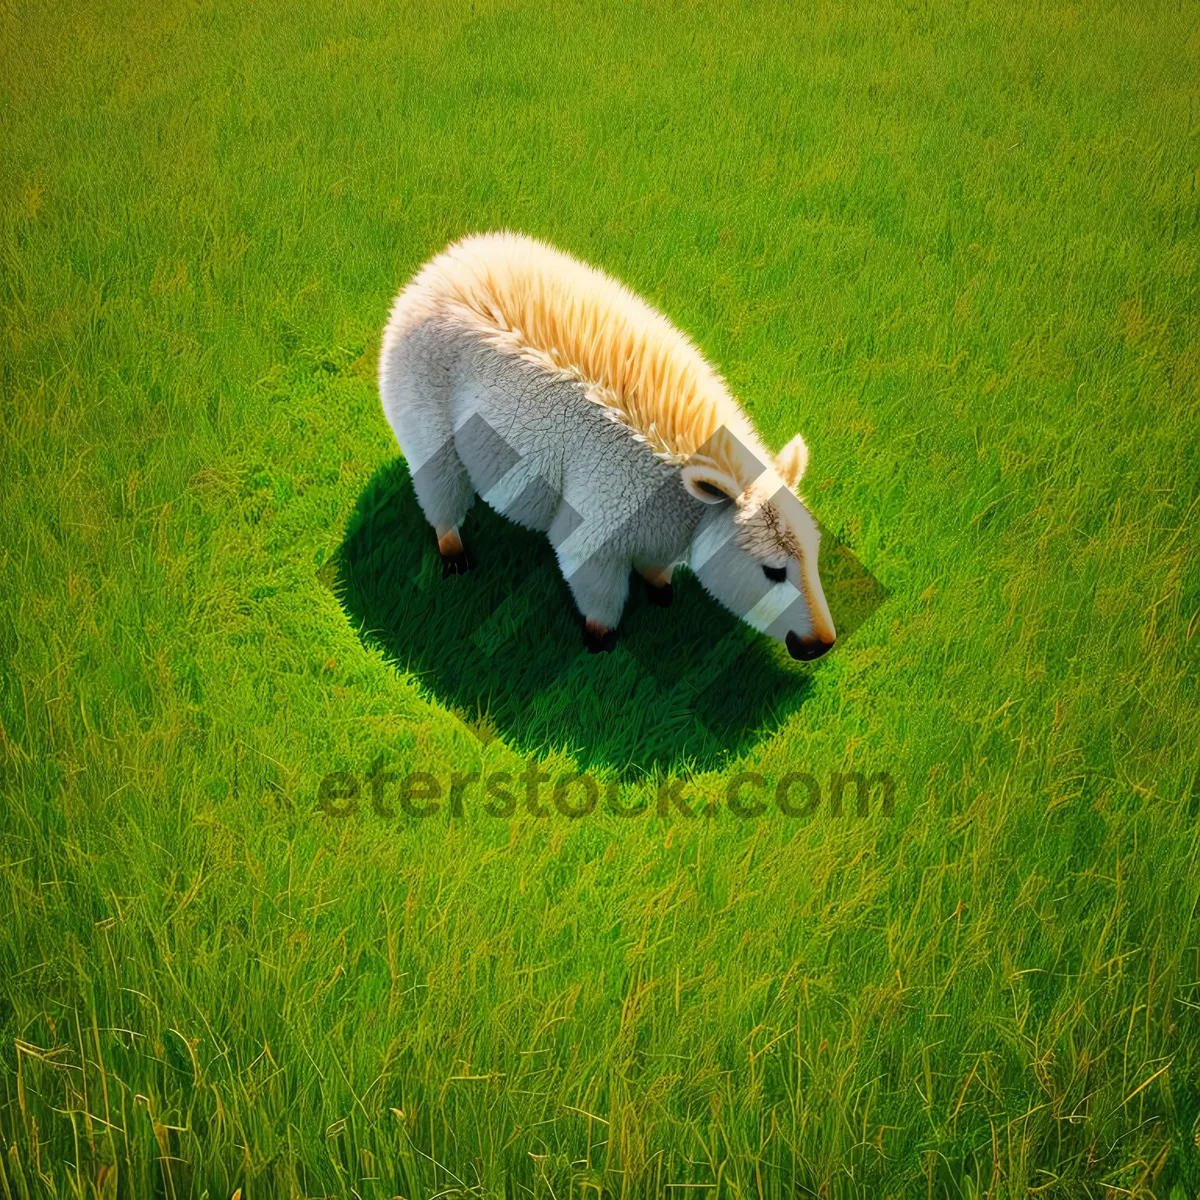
x=791, y=462
x=710, y=484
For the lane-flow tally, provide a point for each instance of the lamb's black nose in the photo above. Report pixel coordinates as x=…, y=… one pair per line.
x=806, y=648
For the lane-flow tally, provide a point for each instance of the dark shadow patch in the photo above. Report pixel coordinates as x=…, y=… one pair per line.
x=502, y=646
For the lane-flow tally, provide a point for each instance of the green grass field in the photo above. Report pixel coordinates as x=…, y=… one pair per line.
x=958, y=246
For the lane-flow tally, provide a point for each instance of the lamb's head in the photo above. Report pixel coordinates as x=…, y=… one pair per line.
x=755, y=549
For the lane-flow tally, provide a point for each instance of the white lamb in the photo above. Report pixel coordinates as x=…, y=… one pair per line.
x=512, y=370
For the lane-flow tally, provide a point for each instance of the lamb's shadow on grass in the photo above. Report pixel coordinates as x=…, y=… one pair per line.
x=688, y=686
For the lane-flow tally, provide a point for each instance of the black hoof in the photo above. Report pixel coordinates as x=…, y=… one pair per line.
x=599, y=643
x=456, y=564
x=662, y=596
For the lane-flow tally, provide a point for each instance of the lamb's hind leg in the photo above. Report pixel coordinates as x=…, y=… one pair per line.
x=445, y=493
x=416, y=403
x=455, y=559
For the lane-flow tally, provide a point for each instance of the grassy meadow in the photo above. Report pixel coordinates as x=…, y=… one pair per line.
x=958, y=246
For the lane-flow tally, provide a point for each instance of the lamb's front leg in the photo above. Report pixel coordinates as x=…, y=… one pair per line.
x=658, y=584
x=600, y=587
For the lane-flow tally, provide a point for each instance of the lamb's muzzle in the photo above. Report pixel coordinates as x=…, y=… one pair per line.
x=806, y=649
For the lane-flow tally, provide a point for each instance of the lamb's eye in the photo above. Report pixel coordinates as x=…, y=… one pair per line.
x=775, y=574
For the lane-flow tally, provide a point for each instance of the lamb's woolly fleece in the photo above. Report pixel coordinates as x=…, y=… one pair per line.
x=528, y=299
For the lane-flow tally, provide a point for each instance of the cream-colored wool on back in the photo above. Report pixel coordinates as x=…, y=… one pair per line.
x=528, y=299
